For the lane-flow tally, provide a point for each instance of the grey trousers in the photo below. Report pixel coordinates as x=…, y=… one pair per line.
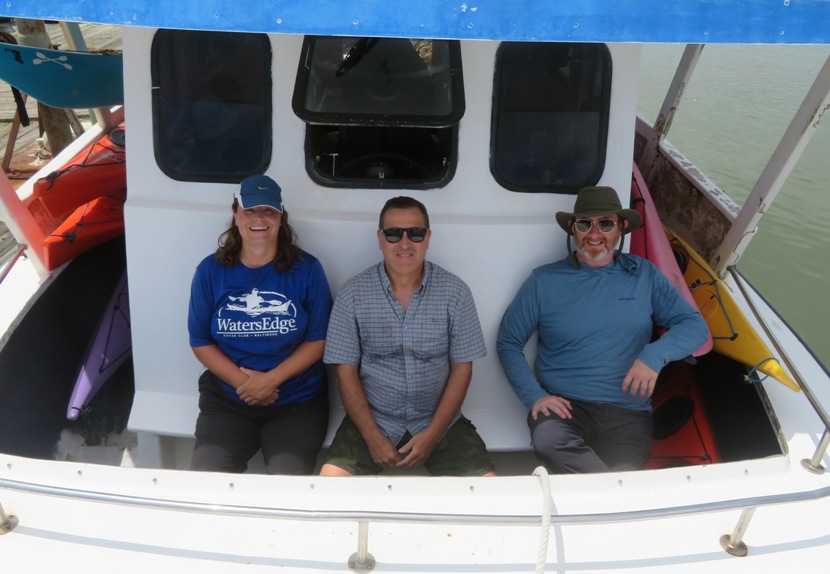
x=598, y=438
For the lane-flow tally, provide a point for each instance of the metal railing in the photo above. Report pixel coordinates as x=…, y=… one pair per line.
x=812, y=464
x=8, y=266
x=362, y=560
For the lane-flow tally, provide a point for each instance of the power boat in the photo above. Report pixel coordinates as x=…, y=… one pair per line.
x=493, y=115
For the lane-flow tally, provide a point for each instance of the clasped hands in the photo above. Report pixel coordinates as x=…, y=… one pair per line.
x=260, y=388
x=411, y=455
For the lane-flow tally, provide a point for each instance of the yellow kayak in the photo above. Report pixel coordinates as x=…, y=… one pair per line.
x=732, y=334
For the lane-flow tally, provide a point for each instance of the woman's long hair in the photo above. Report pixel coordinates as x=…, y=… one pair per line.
x=230, y=244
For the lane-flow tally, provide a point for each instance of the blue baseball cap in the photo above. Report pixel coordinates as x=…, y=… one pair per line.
x=260, y=190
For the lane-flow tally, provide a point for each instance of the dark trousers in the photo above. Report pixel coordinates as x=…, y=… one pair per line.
x=598, y=438
x=228, y=433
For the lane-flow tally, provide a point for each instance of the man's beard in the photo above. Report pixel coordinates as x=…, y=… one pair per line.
x=596, y=256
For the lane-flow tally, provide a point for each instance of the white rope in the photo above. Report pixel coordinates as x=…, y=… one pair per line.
x=544, y=535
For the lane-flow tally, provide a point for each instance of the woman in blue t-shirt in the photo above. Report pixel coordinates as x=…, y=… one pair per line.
x=259, y=310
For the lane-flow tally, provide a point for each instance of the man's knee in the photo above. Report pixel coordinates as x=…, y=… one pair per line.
x=552, y=432
x=553, y=442
x=562, y=449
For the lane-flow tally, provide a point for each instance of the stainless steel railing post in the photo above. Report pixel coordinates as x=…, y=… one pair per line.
x=7, y=522
x=733, y=543
x=814, y=464
x=362, y=560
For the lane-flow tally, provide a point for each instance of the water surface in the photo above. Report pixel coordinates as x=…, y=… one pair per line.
x=731, y=119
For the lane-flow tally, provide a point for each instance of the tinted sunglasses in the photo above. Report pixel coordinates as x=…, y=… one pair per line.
x=395, y=234
x=604, y=225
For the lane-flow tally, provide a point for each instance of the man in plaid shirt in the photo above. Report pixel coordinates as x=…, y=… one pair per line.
x=403, y=335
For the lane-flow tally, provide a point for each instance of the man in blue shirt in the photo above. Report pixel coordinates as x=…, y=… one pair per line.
x=589, y=394
x=403, y=335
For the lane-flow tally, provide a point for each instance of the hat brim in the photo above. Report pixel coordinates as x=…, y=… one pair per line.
x=630, y=215
x=263, y=199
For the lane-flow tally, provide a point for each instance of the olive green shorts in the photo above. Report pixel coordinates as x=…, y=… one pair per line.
x=460, y=452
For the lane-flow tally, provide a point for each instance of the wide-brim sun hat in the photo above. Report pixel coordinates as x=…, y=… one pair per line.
x=598, y=200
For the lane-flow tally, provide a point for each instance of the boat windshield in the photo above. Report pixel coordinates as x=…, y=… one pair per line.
x=380, y=81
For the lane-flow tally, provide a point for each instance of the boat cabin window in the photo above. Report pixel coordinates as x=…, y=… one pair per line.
x=380, y=112
x=550, y=116
x=211, y=104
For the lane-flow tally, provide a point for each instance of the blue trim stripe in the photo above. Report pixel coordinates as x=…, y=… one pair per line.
x=685, y=21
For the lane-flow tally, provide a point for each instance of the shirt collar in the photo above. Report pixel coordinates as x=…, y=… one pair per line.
x=387, y=284
x=628, y=263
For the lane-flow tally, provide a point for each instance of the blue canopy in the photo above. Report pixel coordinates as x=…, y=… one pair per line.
x=682, y=21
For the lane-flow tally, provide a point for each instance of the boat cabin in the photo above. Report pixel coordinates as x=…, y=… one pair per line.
x=492, y=138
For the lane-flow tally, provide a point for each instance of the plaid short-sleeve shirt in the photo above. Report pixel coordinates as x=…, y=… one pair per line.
x=404, y=356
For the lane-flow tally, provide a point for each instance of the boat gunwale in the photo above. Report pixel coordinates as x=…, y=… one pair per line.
x=419, y=517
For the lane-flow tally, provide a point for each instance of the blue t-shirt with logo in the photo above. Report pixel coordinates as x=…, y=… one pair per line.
x=258, y=317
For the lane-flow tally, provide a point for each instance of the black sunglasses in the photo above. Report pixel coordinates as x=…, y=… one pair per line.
x=604, y=225
x=395, y=234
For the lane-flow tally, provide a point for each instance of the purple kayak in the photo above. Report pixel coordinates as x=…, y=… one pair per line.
x=110, y=348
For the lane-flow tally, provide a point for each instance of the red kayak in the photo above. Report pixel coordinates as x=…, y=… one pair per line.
x=82, y=204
